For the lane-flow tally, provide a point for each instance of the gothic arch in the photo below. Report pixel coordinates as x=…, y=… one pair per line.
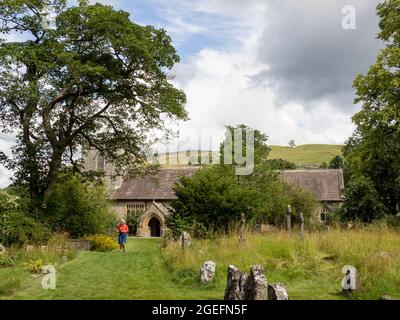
x=154, y=211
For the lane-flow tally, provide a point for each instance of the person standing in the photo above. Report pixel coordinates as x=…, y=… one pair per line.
x=123, y=234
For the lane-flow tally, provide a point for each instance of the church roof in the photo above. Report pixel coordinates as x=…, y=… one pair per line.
x=326, y=185
x=154, y=187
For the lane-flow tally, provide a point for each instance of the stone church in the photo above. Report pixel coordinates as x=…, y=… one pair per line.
x=152, y=195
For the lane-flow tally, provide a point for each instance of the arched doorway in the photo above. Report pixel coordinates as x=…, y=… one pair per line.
x=155, y=227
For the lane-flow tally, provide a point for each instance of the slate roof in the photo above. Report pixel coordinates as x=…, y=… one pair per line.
x=155, y=187
x=325, y=184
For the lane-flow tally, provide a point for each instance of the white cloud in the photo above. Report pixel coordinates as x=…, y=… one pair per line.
x=220, y=92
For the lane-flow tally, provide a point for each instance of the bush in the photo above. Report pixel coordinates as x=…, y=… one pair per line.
x=34, y=266
x=6, y=260
x=80, y=208
x=362, y=201
x=101, y=243
x=17, y=228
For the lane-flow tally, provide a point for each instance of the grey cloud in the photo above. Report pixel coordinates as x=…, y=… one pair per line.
x=310, y=56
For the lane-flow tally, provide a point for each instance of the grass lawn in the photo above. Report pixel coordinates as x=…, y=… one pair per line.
x=140, y=273
x=310, y=269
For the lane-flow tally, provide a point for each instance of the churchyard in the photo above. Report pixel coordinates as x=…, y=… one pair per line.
x=152, y=269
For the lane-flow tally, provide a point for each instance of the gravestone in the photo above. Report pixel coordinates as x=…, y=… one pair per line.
x=2, y=249
x=235, y=284
x=29, y=248
x=256, y=287
x=186, y=240
x=45, y=248
x=277, y=291
x=242, y=240
x=78, y=245
x=207, y=271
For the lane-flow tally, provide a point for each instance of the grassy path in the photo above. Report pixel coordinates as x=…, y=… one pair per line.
x=140, y=273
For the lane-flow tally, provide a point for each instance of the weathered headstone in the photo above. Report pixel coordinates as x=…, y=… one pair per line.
x=256, y=287
x=45, y=248
x=29, y=248
x=186, y=240
x=2, y=249
x=288, y=219
x=79, y=245
x=207, y=271
x=277, y=291
x=242, y=240
x=235, y=284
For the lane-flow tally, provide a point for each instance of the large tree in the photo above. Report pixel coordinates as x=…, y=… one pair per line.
x=373, y=153
x=94, y=79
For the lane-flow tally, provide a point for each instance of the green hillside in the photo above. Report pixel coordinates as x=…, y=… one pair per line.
x=308, y=154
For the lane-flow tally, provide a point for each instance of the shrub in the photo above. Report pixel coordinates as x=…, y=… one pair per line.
x=80, y=208
x=101, y=243
x=34, y=266
x=362, y=201
x=17, y=227
x=6, y=260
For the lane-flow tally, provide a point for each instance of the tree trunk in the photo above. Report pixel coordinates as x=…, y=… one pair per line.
x=52, y=176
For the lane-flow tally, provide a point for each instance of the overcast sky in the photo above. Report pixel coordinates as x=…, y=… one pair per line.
x=282, y=66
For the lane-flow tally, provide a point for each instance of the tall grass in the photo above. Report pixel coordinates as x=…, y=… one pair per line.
x=310, y=269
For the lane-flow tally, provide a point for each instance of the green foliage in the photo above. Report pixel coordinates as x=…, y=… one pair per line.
x=94, y=78
x=80, y=208
x=6, y=260
x=362, y=201
x=336, y=163
x=373, y=151
x=261, y=150
x=281, y=164
x=324, y=165
x=102, y=243
x=8, y=201
x=16, y=225
x=301, y=201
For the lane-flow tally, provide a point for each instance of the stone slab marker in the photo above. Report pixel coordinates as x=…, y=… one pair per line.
x=235, y=284
x=302, y=226
x=29, y=248
x=186, y=240
x=207, y=272
x=2, y=249
x=288, y=219
x=242, y=240
x=256, y=287
x=277, y=291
